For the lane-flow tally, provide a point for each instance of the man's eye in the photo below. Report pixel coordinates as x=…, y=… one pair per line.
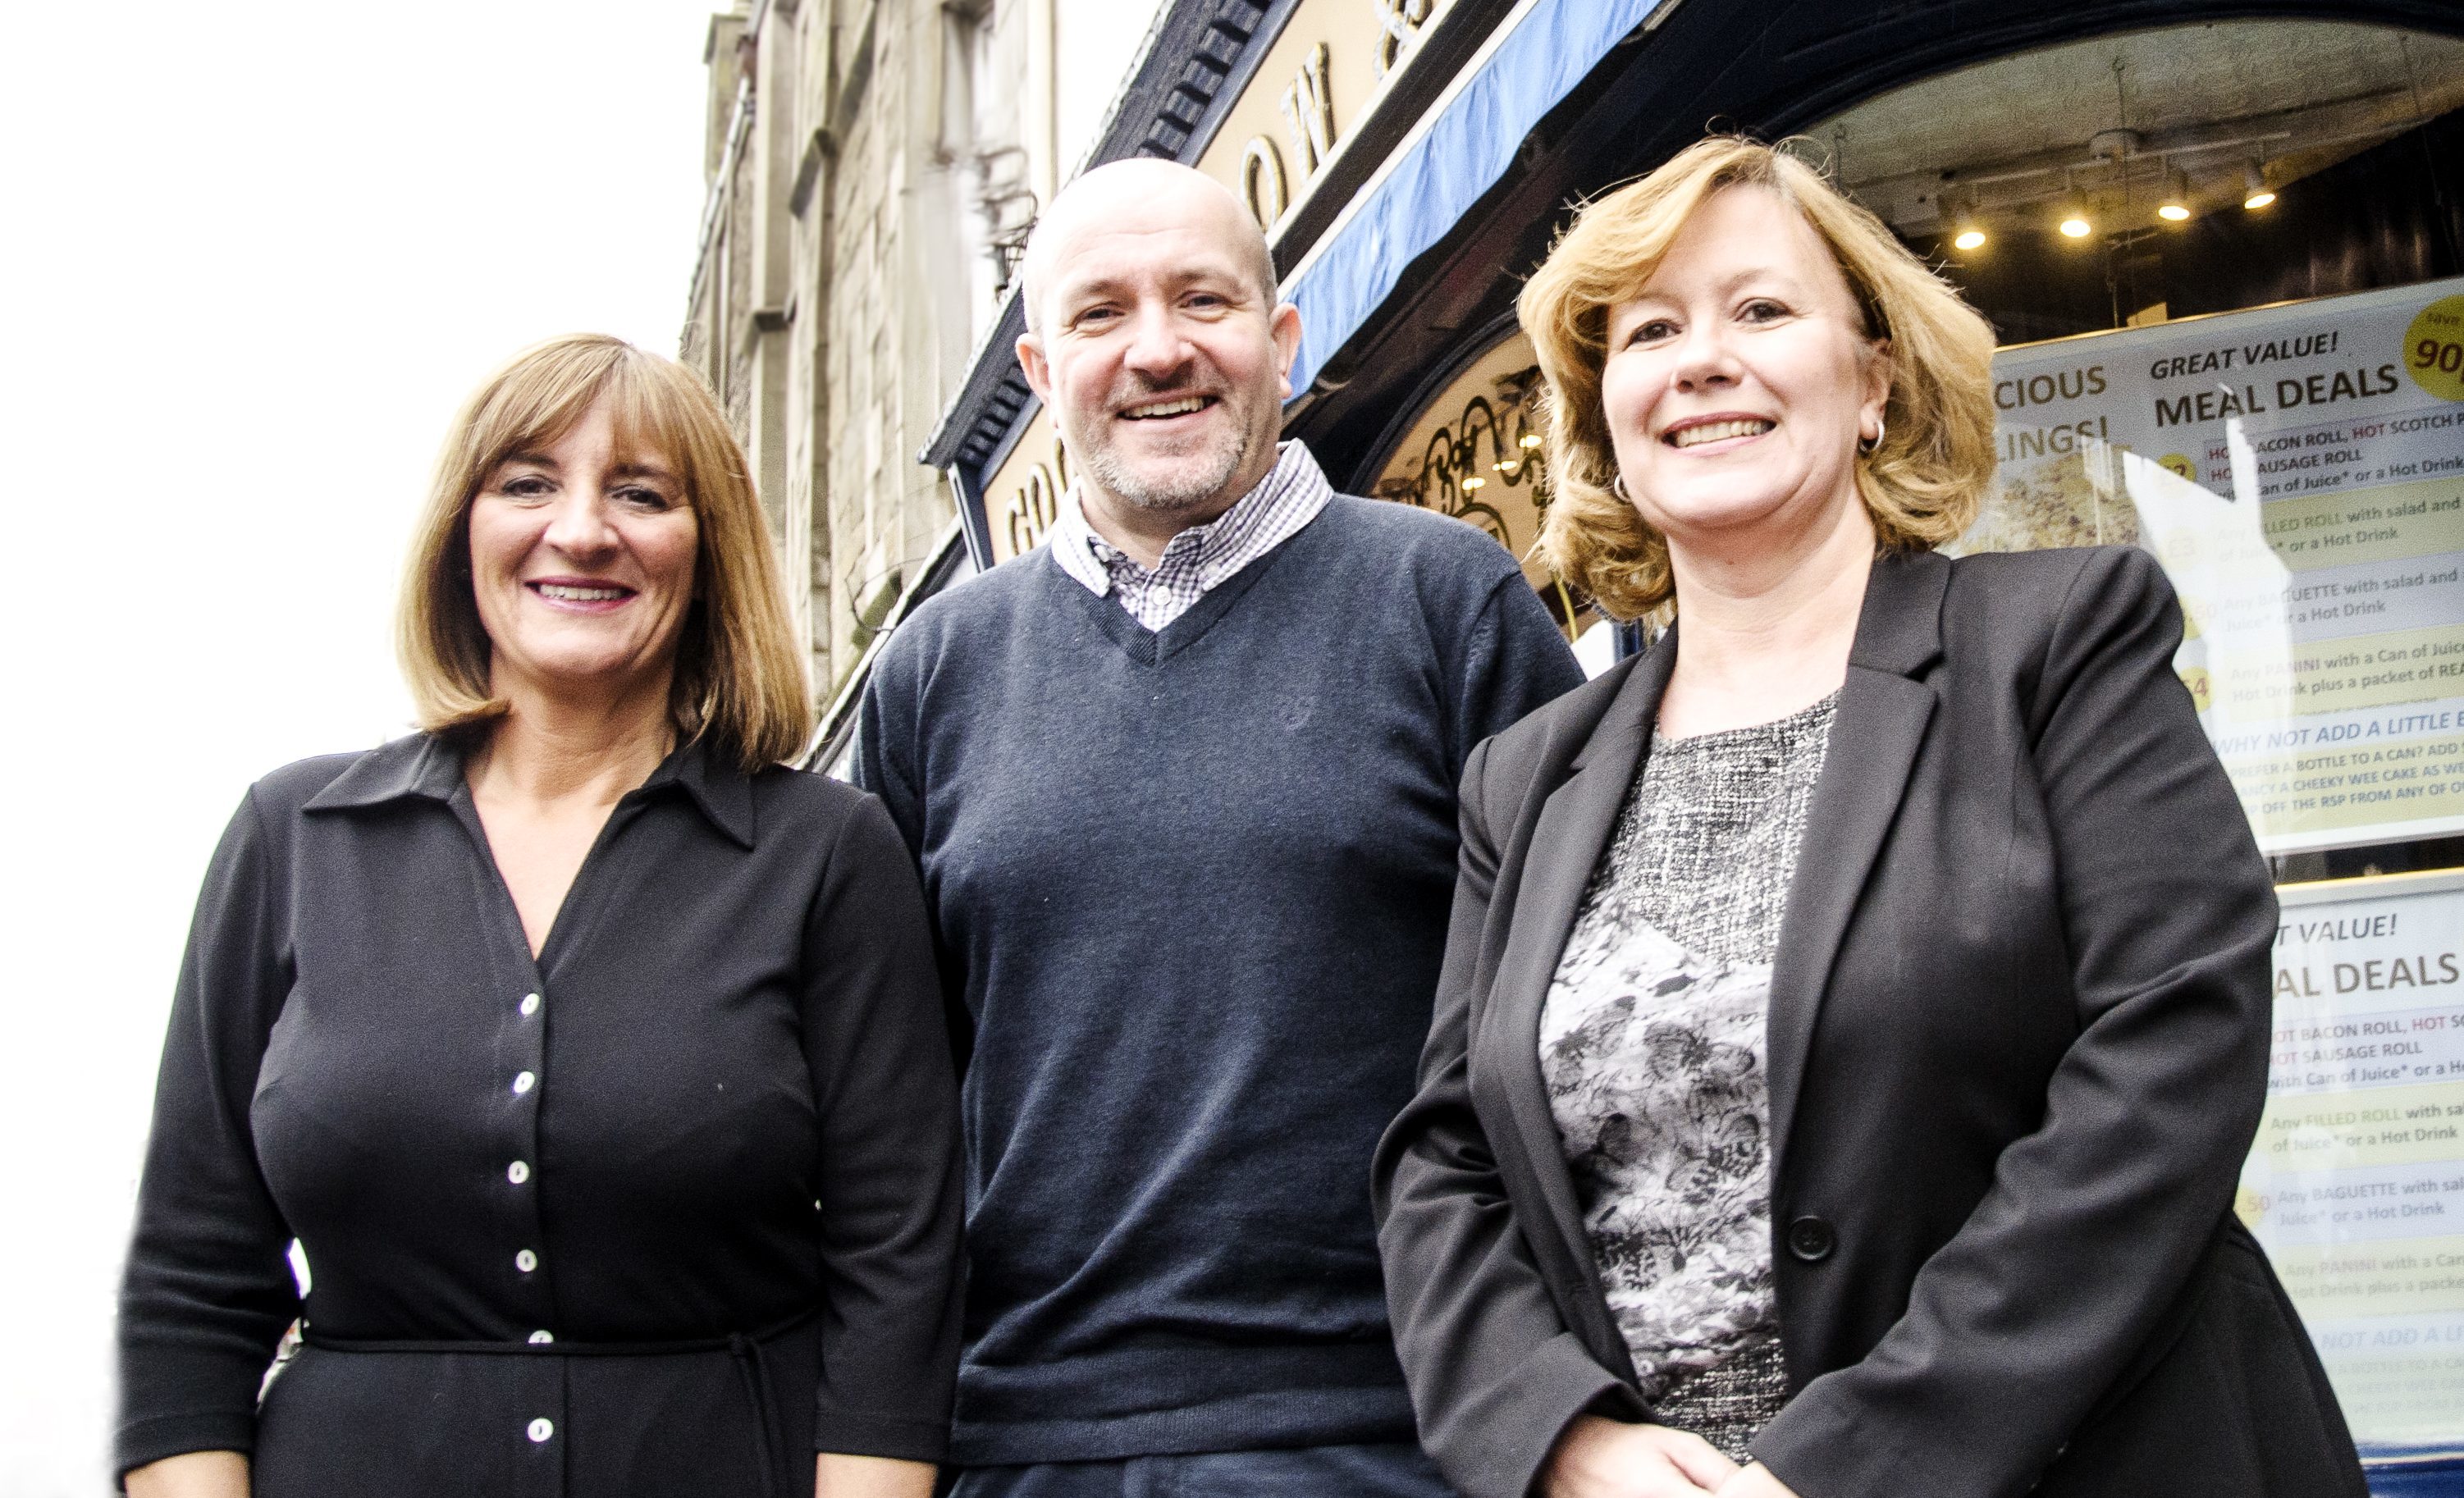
x=1093, y=316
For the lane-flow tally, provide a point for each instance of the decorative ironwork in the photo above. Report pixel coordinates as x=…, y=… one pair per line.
x=1494, y=441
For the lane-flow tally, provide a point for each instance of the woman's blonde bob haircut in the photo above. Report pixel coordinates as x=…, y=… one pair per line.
x=1923, y=483
x=739, y=679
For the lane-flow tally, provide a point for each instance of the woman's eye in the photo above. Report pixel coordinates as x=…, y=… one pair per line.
x=1651, y=330
x=527, y=485
x=1761, y=311
x=643, y=499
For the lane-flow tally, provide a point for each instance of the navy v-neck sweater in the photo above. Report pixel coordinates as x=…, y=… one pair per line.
x=1192, y=889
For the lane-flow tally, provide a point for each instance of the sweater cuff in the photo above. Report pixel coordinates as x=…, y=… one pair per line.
x=159, y=1435
x=845, y=1432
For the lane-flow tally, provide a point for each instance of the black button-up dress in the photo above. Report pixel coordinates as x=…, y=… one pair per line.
x=663, y=1212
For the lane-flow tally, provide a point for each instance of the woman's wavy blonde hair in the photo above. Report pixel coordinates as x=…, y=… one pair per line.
x=1921, y=484
x=739, y=678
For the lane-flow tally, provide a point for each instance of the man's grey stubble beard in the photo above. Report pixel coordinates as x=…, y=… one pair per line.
x=1187, y=491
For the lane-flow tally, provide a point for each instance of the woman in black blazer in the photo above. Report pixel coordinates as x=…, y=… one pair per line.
x=1856, y=1010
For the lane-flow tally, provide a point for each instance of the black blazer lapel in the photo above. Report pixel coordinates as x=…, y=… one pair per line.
x=1883, y=710
x=1567, y=838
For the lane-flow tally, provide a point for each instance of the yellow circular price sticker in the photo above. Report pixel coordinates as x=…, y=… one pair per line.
x=2433, y=348
x=2180, y=466
x=2203, y=688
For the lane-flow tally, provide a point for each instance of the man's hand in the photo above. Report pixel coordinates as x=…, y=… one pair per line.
x=1599, y=1458
x=1755, y=1482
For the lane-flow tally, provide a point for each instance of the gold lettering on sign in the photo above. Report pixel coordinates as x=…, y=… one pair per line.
x=1286, y=126
x=1309, y=111
x=1262, y=182
x=1399, y=22
x=1037, y=503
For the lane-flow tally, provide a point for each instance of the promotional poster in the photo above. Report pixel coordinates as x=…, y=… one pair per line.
x=2299, y=470
x=2357, y=1182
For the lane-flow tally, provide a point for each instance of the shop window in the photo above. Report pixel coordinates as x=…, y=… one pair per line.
x=1472, y=450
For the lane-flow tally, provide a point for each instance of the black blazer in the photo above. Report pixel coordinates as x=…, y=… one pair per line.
x=2017, y=1048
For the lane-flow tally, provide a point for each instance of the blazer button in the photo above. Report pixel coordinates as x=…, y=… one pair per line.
x=1810, y=1239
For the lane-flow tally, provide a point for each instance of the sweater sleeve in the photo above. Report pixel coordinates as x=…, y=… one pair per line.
x=1513, y=660
x=208, y=1288
x=890, y=1171
x=2094, y=1221
x=885, y=748
x=887, y=745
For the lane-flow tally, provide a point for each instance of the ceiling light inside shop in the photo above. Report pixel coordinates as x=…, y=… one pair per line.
x=2256, y=193
x=2176, y=206
x=2074, y=222
x=2204, y=98
x=1966, y=232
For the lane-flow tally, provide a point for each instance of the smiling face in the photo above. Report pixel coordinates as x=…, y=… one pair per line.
x=1157, y=347
x=1740, y=380
x=581, y=563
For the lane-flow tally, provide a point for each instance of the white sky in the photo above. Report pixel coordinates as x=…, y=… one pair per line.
x=251, y=258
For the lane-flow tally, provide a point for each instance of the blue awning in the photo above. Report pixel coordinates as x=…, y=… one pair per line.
x=1434, y=181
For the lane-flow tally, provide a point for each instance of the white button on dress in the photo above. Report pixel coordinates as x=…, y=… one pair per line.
x=524, y=1082
x=542, y=1337
x=527, y=1261
x=541, y=1429
x=530, y=1003
x=517, y=1172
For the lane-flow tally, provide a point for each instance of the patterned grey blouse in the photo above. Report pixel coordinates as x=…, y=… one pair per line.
x=1651, y=1042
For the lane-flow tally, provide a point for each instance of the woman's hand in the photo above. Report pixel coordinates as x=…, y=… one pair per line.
x=837, y=1476
x=198, y=1474
x=1755, y=1482
x=1599, y=1458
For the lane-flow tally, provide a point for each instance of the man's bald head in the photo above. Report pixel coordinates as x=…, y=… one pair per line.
x=1155, y=342
x=1139, y=189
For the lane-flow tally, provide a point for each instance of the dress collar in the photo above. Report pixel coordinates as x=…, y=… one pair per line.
x=429, y=766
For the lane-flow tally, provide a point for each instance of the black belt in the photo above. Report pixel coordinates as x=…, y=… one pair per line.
x=743, y=1348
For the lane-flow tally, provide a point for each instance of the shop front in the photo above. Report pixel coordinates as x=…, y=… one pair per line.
x=2223, y=248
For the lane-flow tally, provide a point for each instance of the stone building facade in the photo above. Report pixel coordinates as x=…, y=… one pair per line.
x=873, y=167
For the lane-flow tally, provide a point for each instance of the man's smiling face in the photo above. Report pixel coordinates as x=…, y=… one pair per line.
x=1155, y=342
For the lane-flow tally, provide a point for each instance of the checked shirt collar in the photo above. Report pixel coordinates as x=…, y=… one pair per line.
x=1197, y=558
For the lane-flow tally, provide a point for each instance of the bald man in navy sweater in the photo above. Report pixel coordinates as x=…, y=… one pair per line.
x=1181, y=782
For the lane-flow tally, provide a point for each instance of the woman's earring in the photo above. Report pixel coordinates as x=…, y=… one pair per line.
x=1869, y=444
x=1616, y=487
